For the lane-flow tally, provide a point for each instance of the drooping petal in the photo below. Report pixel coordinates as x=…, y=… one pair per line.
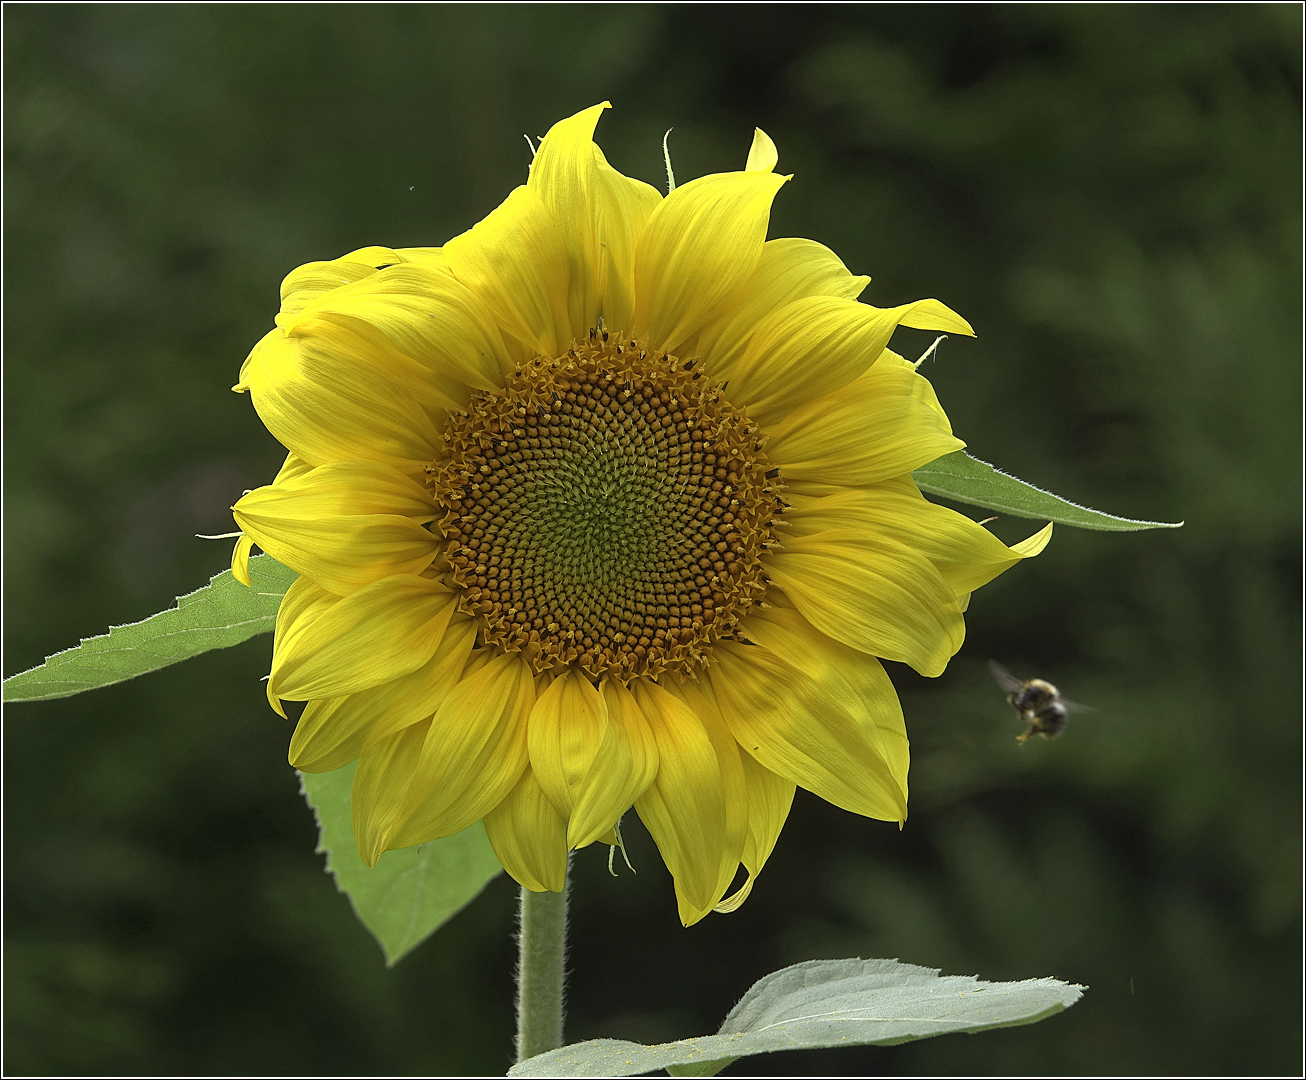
x=734, y=790
x=769, y=799
x=701, y=243
x=335, y=389
x=564, y=733
x=858, y=680
x=515, y=260
x=332, y=732
x=623, y=767
x=873, y=593
x=530, y=837
x=790, y=269
x=382, y=631
x=965, y=553
x=428, y=315
x=474, y=753
x=819, y=344
x=602, y=215
x=802, y=730
x=684, y=808
x=344, y=524
x=884, y=424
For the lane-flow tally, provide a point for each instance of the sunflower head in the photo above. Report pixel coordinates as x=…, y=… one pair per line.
x=607, y=503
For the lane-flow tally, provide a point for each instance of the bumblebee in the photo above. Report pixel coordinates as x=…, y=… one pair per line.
x=1039, y=703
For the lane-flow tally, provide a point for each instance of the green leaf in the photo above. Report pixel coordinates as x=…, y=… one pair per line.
x=818, y=1004
x=222, y=614
x=410, y=893
x=966, y=479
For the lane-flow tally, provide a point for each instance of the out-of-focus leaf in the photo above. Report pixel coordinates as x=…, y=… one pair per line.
x=221, y=614
x=410, y=893
x=819, y=1004
x=966, y=479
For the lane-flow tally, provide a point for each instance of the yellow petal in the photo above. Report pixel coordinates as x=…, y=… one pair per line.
x=734, y=790
x=602, y=215
x=292, y=469
x=817, y=345
x=873, y=593
x=474, y=753
x=762, y=155
x=384, y=630
x=302, y=603
x=336, y=389
x=684, y=808
x=884, y=424
x=789, y=269
x=963, y=551
x=427, y=315
x=240, y=560
x=332, y=732
x=308, y=283
x=857, y=680
x=565, y=731
x=803, y=731
x=344, y=524
x=515, y=260
x=701, y=243
x=530, y=837
x=382, y=779
x=623, y=767
x=769, y=799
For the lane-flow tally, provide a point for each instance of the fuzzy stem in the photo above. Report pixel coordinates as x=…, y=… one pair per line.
x=540, y=971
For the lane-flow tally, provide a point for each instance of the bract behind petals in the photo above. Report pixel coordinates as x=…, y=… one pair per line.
x=602, y=215
x=701, y=243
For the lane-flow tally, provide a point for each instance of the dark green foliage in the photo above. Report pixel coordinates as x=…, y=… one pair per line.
x=1110, y=195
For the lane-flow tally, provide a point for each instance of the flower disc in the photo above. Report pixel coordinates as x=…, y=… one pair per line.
x=609, y=509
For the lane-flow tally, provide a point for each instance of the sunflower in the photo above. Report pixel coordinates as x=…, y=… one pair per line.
x=607, y=503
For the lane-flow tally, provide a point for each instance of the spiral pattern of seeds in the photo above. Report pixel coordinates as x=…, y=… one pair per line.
x=607, y=509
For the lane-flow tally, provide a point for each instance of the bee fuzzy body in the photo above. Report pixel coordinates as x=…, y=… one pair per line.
x=1039, y=703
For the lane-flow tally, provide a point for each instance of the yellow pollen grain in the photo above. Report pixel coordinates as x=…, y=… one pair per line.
x=608, y=510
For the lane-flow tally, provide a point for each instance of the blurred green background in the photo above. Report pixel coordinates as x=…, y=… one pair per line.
x=1110, y=194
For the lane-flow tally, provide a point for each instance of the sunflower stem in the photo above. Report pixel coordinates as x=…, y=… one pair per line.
x=540, y=971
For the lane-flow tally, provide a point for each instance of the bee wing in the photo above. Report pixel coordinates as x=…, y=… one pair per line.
x=1075, y=706
x=1005, y=679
